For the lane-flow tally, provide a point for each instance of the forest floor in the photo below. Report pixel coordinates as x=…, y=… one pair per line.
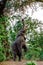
x=23, y=62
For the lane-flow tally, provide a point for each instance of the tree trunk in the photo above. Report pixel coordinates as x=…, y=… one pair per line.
x=2, y=6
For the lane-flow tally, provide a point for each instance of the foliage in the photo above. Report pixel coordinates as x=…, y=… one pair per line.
x=34, y=38
x=18, y=5
x=2, y=57
x=4, y=44
x=30, y=63
x=35, y=41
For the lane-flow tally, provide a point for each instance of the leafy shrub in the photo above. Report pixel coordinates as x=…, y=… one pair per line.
x=30, y=63
x=2, y=56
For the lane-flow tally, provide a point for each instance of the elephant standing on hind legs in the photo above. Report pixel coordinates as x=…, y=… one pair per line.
x=18, y=44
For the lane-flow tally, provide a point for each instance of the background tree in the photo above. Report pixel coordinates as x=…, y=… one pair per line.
x=8, y=33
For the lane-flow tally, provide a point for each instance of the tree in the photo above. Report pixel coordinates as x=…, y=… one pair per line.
x=4, y=44
x=35, y=40
x=2, y=6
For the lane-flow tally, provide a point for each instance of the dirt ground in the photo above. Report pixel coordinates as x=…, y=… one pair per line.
x=23, y=62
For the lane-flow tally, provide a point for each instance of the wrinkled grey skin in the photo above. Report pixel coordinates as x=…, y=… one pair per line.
x=17, y=46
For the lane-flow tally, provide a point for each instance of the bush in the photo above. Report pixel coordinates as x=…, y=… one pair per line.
x=30, y=63
x=2, y=57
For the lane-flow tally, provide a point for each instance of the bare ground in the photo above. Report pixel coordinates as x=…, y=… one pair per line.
x=23, y=62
